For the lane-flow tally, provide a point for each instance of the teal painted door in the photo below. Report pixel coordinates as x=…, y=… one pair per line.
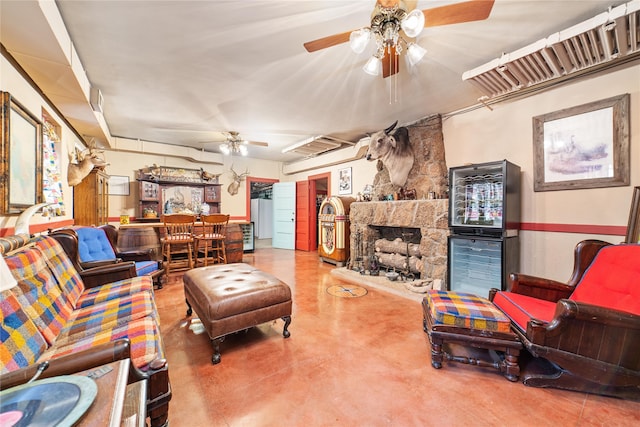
x=284, y=215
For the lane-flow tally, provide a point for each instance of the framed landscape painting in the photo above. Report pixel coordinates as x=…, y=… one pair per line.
x=21, y=166
x=582, y=147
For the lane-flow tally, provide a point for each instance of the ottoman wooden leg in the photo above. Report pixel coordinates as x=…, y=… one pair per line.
x=436, y=352
x=215, y=359
x=512, y=369
x=189, y=309
x=287, y=322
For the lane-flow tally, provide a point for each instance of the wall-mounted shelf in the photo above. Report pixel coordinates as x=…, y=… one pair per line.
x=165, y=190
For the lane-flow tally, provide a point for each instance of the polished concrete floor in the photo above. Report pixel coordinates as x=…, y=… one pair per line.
x=359, y=361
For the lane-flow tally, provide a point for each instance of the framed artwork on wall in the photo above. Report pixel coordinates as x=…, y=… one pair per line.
x=633, y=227
x=21, y=166
x=344, y=176
x=118, y=185
x=582, y=147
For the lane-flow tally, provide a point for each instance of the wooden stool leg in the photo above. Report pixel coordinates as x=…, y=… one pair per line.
x=189, y=254
x=206, y=252
x=436, y=353
x=168, y=257
x=512, y=368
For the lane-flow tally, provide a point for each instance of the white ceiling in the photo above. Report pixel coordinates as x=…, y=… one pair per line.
x=180, y=72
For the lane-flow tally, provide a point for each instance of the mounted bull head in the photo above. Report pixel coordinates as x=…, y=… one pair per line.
x=394, y=150
x=81, y=163
x=207, y=176
x=236, y=180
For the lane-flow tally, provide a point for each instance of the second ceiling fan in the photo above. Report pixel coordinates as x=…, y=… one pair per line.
x=394, y=26
x=232, y=143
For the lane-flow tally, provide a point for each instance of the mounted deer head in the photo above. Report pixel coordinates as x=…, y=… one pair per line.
x=236, y=180
x=81, y=163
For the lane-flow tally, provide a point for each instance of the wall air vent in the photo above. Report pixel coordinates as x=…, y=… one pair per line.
x=96, y=100
x=316, y=145
x=602, y=40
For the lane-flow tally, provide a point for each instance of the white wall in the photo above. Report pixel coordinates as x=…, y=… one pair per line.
x=506, y=133
x=362, y=173
x=11, y=81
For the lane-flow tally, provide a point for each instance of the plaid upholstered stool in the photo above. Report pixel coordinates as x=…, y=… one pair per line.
x=466, y=319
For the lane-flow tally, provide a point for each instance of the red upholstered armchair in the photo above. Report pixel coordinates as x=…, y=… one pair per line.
x=589, y=328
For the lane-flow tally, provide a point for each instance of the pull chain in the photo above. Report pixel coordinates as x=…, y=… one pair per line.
x=390, y=69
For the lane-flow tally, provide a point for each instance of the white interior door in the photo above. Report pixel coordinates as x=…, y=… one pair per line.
x=284, y=215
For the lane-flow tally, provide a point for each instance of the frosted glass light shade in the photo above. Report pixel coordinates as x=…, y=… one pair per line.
x=413, y=24
x=243, y=150
x=359, y=39
x=415, y=53
x=225, y=149
x=7, y=281
x=373, y=66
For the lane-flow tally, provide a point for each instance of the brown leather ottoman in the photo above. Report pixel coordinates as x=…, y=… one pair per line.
x=232, y=297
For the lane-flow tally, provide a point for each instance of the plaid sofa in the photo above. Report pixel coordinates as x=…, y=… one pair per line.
x=51, y=314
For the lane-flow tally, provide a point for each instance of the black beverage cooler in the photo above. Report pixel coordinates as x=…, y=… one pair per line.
x=484, y=218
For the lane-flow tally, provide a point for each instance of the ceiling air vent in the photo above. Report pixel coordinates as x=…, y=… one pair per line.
x=316, y=145
x=602, y=40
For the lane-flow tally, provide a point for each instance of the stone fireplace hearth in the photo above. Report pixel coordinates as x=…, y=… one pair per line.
x=429, y=216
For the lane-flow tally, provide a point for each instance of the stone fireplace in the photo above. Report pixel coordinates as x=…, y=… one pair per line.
x=373, y=220
x=424, y=221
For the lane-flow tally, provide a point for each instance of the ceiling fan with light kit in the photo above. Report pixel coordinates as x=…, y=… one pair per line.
x=232, y=143
x=394, y=26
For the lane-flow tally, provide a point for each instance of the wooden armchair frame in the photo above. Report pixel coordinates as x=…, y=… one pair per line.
x=591, y=348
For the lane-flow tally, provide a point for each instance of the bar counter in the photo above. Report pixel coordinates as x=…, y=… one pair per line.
x=146, y=235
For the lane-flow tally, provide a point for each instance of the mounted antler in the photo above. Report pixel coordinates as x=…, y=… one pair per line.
x=236, y=180
x=81, y=163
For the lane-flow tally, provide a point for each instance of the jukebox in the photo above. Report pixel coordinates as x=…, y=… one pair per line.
x=333, y=230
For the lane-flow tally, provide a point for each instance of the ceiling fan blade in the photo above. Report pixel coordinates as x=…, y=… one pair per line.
x=258, y=143
x=328, y=41
x=468, y=11
x=390, y=62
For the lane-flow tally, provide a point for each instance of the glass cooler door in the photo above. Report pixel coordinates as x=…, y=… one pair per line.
x=475, y=265
x=484, y=198
x=477, y=196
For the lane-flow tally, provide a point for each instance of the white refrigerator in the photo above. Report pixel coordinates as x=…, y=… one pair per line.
x=262, y=218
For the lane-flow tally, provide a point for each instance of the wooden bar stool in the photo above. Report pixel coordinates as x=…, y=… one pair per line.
x=178, y=239
x=214, y=231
